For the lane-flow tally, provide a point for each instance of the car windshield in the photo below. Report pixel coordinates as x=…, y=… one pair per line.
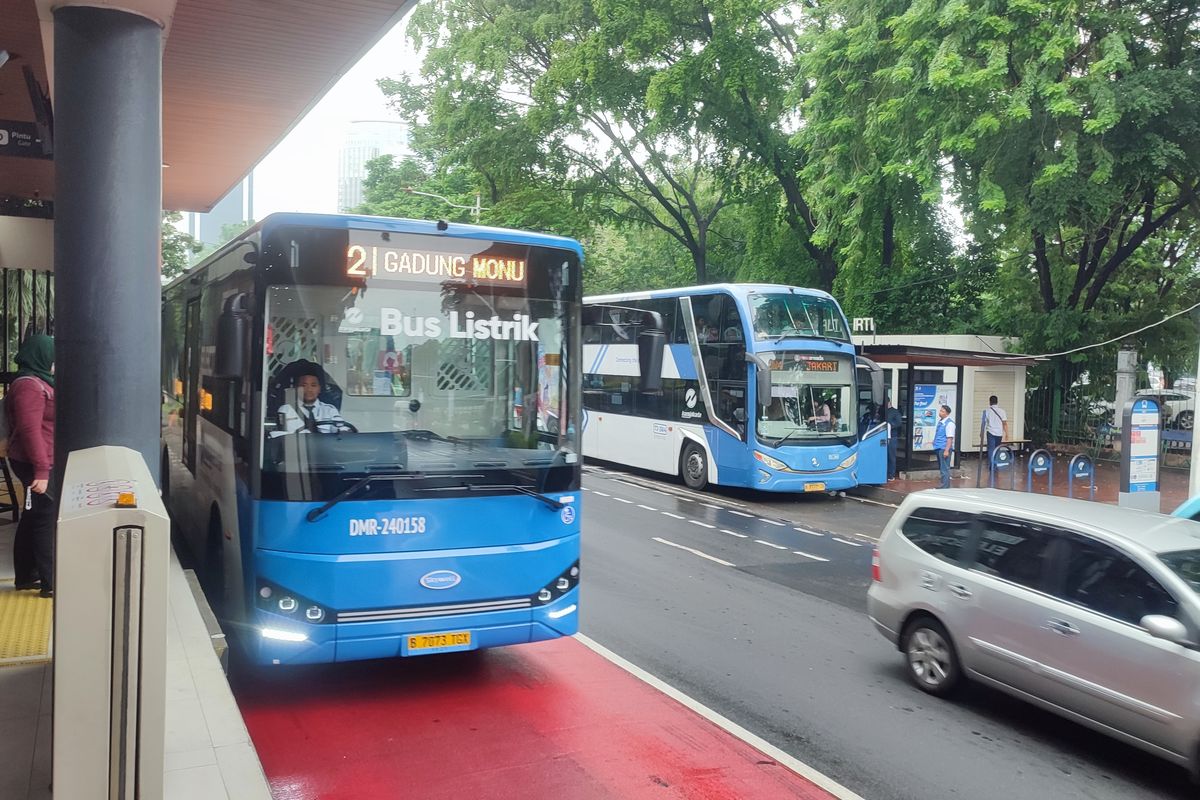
x=1185, y=564
x=811, y=398
x=796, y=315
x=434, y=378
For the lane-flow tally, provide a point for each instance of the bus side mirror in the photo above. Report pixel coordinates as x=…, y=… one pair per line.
x=650, y=344
x=878, y=390
x=762, y=379
x=233, y=337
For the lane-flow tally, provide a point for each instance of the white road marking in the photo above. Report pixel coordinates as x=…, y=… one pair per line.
x=809, y=555
x=770, y=544
x=602, y=494
x=695, y=552
x=623, y=500
x=672, y=516
x=710, y=505
x=806, y=530
x=648, y=508
x=701, y=524
x=740, y=513
x=735, y=533
x=844, y=541
x=771, y=522
x=766, y=748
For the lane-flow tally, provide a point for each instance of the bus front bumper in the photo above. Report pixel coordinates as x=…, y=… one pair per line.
x=287, y=641
x=775, y=481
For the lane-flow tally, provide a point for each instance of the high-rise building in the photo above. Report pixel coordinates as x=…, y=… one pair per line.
x=236, y=207
x=367, y=139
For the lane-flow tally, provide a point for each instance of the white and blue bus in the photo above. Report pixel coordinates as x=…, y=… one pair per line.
x=745, y=385
x=371, y=435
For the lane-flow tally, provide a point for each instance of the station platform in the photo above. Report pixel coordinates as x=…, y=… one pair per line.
x=552, y=719
x=564, y=718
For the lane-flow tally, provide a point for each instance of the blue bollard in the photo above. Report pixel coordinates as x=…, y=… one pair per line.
x=1040, y=463
x=1081, y=467
x=1002, y=458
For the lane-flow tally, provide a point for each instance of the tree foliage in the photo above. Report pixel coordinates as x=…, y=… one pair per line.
x=1022, y=167
x=1066, y=132
x=177, y=247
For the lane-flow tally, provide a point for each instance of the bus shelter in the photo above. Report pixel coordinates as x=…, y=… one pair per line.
x=921, y=378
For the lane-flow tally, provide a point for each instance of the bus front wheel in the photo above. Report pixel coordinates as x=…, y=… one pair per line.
x=693, y=464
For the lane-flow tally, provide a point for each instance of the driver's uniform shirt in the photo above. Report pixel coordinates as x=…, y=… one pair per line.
x=291, y=421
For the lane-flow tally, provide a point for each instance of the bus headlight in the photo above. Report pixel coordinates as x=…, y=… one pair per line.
x=275, y=599
x=559, y=586
x=773, y=463
x=849, y=462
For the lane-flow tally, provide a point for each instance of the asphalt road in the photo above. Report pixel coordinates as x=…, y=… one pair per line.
x=764, y=620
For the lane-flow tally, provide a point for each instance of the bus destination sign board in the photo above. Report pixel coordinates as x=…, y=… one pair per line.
x=493, y=267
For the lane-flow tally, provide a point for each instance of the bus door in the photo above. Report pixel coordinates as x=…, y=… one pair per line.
x=191, y=377
x=872, y=456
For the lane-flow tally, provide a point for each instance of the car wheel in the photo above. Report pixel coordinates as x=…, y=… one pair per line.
x=932, y=662
x=693, y=463
x=1186, y=420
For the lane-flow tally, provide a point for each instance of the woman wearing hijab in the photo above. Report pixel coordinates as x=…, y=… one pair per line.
x=30, y=406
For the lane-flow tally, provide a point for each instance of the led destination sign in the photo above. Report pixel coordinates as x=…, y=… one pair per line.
x=803, y=364
x=384, y=261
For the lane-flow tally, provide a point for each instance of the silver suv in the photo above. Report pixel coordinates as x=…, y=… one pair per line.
x=1084, y=609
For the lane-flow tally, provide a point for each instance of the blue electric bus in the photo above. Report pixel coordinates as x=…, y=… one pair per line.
x=745, y=385
x=371, y=435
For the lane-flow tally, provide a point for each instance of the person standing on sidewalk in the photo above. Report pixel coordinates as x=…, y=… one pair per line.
x=30, y=409
x=943, y=444
x=895, y=421
x=995, y=425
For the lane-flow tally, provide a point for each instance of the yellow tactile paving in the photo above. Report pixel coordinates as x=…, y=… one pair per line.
x=25, y=620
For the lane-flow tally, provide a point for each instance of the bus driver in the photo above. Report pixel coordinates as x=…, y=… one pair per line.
x=313, y=414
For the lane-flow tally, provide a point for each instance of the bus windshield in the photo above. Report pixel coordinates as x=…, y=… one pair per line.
x=812, y=397
x=434, y=378
x=780, y=315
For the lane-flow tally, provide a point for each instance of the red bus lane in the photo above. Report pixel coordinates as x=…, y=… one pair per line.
x=552, y=719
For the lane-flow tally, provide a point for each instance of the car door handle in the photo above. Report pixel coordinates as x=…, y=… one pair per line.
x=958, y=590
x=1062, y=627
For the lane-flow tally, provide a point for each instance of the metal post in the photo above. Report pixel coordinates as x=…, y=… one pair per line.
x=108, y=199
x=1194, y=482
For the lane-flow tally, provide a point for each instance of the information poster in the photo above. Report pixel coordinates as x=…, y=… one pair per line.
x=927, y=399
x=1143, y=447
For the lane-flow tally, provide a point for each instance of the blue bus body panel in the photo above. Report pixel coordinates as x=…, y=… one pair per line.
x=474, y=553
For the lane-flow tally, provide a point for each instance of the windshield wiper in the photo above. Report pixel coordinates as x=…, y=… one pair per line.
x=513, y=487
x=787, y=436
x=422, y=435
x=356, y=487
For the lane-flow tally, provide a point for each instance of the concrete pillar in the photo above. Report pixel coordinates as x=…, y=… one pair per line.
x=1127, y=360
x=108, y=205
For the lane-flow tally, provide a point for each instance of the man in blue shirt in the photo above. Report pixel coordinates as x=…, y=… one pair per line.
x=943, y=444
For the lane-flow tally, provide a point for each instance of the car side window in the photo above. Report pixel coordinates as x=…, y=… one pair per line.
x=940, y=532
x=1103, y=579
x=1013, y=550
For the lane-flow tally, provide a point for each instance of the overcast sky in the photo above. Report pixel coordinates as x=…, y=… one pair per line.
x=301, y=173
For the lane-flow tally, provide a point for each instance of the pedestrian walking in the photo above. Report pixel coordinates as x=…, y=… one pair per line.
x=943, y=444
x=30, y=408
x=891, y=415
x=995, y=426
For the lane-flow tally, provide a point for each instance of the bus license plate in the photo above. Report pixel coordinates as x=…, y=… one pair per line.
x=814, y=487
x=438, y=642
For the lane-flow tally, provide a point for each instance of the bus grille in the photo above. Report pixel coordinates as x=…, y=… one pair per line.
x=450, y=610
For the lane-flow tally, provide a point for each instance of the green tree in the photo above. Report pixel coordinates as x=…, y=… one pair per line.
x=177, y=247
x=1069, y=135
x=554, y=94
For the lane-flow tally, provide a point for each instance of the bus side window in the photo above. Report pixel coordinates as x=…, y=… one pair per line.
x=731, y=324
